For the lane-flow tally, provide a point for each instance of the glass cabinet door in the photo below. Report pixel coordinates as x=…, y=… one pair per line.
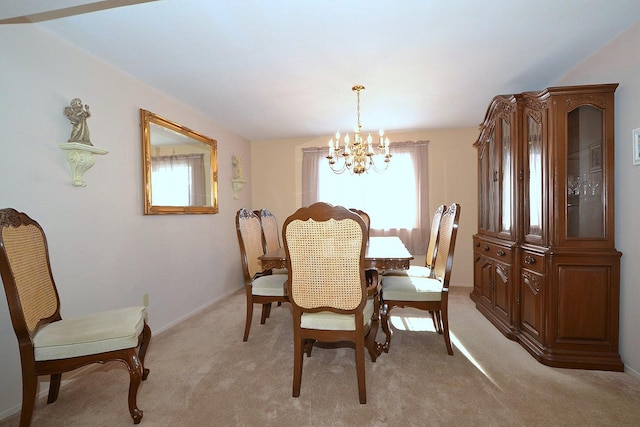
x=534, y=183
x=506, y=179
x=496, y=169
x=585, y=201
x=496, y=180
x=483, y=190
x=491, y=206
x=486, y=165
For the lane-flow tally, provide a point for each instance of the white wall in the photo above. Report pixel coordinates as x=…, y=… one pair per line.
x=104, y=252
x=619, y=62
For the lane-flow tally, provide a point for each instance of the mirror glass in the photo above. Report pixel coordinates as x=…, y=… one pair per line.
x=180, y=168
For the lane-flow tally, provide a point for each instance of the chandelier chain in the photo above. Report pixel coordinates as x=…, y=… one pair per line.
x=357, y=89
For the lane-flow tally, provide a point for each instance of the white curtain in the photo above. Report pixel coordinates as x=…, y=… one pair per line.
x=397, y=199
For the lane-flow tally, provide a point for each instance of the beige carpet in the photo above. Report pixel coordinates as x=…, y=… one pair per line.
x=202, y=374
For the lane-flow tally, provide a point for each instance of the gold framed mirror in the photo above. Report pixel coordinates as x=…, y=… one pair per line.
x=179, y=168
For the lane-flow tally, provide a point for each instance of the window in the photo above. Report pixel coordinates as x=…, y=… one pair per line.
x=396, y=199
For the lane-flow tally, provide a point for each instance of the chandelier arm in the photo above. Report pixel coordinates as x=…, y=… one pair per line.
x=375, y=167
x=332, y=163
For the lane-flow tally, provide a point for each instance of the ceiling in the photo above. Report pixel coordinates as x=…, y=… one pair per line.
x=285, y=68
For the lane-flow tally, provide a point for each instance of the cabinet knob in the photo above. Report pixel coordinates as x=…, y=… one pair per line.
x=485, y=248
x=501, y=253
x=477, y=244
x=529, y=260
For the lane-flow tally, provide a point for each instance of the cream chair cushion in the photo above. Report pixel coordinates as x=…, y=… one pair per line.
x=269, y=286
x=407, y=288
x=330, y=321
x=413, y=271
x=90, y=334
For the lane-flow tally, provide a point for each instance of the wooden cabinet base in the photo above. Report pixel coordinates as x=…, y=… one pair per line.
x=571, y=359
x=488, y=312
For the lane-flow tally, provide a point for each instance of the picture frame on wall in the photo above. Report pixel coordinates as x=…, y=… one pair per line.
x=636, y=146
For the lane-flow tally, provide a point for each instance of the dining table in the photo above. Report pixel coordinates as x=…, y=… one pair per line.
x=382, y=254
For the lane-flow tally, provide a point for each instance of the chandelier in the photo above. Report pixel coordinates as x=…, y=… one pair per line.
x=358, y=155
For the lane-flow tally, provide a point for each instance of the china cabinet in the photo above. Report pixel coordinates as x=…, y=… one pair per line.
x=546, y=271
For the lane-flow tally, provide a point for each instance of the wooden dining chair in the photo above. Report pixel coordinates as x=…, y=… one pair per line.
x=426, y=293
x=270, y=230
x=365, y=217
x=367, y=222
x=270, y=235
x=425, y=271
x=261, y=287
x=325, y=247
x=432, y=247
x=49, y=344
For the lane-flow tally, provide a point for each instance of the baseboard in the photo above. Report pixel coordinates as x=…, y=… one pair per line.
x=10, y=412
x=192, y=313
x=632, y=372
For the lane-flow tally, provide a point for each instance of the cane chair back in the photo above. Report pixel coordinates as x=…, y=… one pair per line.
x=325, y=247
x=270, y=230
x=427, y=293
x=270, y=235
x=443, y=263
x=434, y=237
x=48, y=344
x=365, y=217
x=432, y=247
x=261, y=287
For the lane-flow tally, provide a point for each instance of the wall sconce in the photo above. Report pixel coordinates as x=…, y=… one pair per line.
x=238, y=180
x=80, y=157
x=79, y=148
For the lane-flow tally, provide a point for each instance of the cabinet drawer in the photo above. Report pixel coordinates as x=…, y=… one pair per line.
x=532, y=261
x=492, y=250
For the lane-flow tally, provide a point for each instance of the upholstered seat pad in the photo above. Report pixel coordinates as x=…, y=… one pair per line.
x=331, y=321
x=269, y=286
x=90, y=334
x=407, y=288
x=413, y=271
